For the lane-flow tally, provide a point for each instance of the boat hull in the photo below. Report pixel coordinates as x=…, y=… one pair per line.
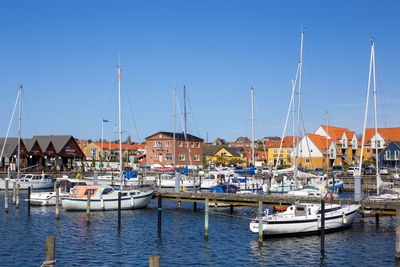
x=24, y=185
x=307, y=226
x=129, y=202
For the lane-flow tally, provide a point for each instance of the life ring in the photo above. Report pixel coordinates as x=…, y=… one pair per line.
x=327, y=195
x=79, y=176
x=182, y=188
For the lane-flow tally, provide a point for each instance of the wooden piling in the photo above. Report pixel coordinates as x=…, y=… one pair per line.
x=231, y=209
x=17, y=197
x=29, y=200
x=206, y=220
x=194, y=206
x=154, y=261
x=322, y=226
x=119, y=209
x=88, y=207
x=376, y=217
x=398, y=234
x=260, y=222
x=159, y=215
x=14, y=193
x=57, y=203
x=6, y=196
x=50, y=251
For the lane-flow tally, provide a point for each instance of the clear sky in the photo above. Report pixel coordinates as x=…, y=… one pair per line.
x=65, y=53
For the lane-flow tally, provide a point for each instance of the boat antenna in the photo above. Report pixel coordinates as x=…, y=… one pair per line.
x=19, y=131
x=120, y=122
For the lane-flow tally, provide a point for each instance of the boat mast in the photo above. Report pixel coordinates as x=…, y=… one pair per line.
x=173, y=111
x=293, y=118
x=252, y=124
x=19, y=132
x=184, y=107
x=298, y=105
x=120, y=123
x=366, y=110
x=378, y=179
x=327, y=142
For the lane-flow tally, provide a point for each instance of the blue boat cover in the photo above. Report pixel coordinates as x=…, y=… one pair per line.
x=250, y=171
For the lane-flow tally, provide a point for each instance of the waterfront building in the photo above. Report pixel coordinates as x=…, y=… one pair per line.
x=228, y=155
x=390, y=155
x=10, y=154
x=242, y=142
x=219, y=142
x=110, y=151
x=316, y=151
x=272, y=147
x=159, y=150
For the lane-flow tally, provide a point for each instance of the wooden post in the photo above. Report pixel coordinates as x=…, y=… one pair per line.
x=322, y=226
x=6, y=196
x=17, y=197
x=231, y=209
x=14, y=193
x=159, y=215
x=154, y=261
x=119, y=209
x=194, y=206
x=57, y=203
x=398, y=234
x=50, y=250
x=29, y=200
x=88, y=207
x=376, y=217
x=260, y=222
x=159, y=180
x=206, y=220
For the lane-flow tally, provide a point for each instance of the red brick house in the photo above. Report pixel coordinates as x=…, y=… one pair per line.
x=159, y=150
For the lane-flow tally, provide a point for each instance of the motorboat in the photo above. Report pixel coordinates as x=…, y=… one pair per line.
x=216, y=177
x=222, y=188
x=49, y=198
x=105, y=198
x=33, y=180
x=284, y=186
x=169, y=181
x=305, y=192
x=387, y=195
x=305, y=218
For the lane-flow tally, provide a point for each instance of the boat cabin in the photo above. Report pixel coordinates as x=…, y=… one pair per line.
x=82, y=191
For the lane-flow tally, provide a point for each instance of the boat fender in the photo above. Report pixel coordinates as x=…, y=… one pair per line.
x=79, y=176
x=132, y=201
x=344, y=220
x=102, y=202
x=319, y=222
x=328, y=194
x=182, y=188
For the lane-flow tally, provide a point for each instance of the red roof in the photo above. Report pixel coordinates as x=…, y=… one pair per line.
x=389, y=134
x=321, y=142
x=124, y=146
x=287, y=142
x=336, y=133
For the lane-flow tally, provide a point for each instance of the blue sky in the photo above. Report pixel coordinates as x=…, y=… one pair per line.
x=65, y=53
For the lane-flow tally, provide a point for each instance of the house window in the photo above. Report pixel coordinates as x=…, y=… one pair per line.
x=307, y=161
x=168, y=156
x=256, y=156
x=388, y=154
x=368, y=150
x=198, y=145
x=159, y=143
x=196, y=157
x=155, y=155
x=396, y=154
x=155, y=144
x=288, y=151
x=223, y=154
x=166, y=143
x=275, y=151
x=180, y=144
x=181, y=157
x=93, y=152
x=192, y=144
x=281, y=151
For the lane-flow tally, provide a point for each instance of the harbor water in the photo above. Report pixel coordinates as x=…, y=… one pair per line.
x=182, y=243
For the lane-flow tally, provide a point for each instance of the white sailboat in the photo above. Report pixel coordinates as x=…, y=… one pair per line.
x=105, y=197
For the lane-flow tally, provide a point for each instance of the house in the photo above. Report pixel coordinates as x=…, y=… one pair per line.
x=272, y=147
x=9, y=157
x=316, y=151
x=219, y=142
x=160, y=147
x=390, y=155
x=241, y=142
x=110, y=151
x=228, y=155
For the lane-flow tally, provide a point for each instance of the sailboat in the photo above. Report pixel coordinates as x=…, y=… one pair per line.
x=104, y=197
x=34, y=181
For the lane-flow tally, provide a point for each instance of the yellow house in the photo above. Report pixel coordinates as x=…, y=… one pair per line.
x=284, y=154
x=92, y=151
x=228, y=155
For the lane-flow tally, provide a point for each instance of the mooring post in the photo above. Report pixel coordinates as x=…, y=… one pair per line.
x=119, y=209
x=154, y=261
x=322, y=226
x=50, y=251
x=194, y=206
x=260, y=222
x=29, y=200
x=17, y=200
x=377, y=217
x=57, y=203
x=206, y=219
x=231, y=209
x=6, y=196
x=159, y=215
x=14, y=193
x=88, y=207
x=159, y=180
x=398, y=234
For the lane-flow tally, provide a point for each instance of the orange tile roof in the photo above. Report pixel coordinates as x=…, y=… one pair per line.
x=389, y=134
x=287, y=142
x=336, y=133
x=124, y=146
x=320, y=141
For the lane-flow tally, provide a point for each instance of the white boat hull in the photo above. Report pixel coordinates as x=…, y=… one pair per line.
x=24, y=185
x=306, y=226
x=129, y=202
x=45, y=198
